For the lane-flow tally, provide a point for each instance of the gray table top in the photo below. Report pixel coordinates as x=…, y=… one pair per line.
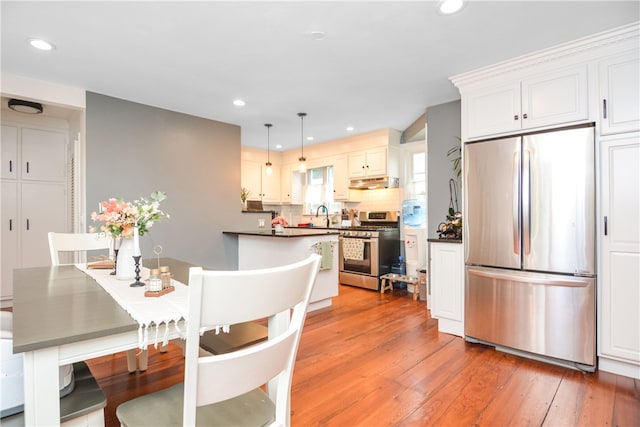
x=61, y=304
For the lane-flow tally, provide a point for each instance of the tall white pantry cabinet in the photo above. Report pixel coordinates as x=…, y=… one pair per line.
x=34, y=190
x=593, y=79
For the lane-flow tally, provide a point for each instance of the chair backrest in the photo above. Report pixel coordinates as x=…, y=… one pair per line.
x=74, y=242
x=219, y=298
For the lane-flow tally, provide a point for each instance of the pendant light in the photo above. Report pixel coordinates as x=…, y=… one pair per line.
x=269, y=169
x=302, y=159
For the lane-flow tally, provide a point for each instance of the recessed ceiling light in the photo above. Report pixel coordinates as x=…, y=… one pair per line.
x=278, y=146
x=41, y=44
x=318, y=35
x=350, y=128
x=309, y=138
x=447, y=7
x=239, y=103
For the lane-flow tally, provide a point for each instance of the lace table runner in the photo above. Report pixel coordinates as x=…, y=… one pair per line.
x=161, y=312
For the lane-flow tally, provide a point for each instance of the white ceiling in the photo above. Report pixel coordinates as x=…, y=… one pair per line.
x=381, y=63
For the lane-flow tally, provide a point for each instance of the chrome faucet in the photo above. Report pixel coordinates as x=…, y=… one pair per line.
x=327, y=211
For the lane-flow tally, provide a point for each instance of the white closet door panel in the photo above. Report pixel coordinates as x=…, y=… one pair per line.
x=620, y=318
x=9, y=234
x=9, y=152
x=43, y=210
x=43, y=155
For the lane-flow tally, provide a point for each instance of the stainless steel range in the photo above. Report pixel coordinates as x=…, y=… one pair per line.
x=368, y=250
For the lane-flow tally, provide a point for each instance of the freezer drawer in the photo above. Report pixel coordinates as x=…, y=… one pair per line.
x=549, y=315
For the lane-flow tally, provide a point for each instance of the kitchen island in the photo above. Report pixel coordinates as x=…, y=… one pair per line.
x=265, y=248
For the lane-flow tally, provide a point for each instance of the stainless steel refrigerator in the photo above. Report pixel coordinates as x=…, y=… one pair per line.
x=529, y=236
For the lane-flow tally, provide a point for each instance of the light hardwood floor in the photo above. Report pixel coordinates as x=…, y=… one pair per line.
x=378, y=360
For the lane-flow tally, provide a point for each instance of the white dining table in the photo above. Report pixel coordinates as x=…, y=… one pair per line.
x=61, y=315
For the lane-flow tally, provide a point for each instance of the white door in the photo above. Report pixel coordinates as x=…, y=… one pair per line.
x=620, y=317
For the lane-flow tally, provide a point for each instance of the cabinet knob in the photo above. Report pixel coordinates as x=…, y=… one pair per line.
x=524, y=116
x=515, y=117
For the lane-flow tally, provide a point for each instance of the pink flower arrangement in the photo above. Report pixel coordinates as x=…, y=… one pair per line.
x=120, y=218
x=279, y=220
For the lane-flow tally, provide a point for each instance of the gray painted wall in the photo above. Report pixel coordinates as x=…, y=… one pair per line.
x=134, y=149
x=443, y=128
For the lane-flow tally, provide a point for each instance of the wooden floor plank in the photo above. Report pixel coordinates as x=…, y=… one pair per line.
x=378, y=360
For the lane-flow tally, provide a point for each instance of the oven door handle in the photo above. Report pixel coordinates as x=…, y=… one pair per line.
x=364, y=239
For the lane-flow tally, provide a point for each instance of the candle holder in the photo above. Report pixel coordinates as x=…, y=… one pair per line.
x=115, y=262
x=137, y=283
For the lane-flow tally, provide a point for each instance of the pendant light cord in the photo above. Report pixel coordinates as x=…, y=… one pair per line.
x=268, y=125
x=301, y=115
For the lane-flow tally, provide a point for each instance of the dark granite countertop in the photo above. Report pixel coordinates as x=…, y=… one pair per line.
x=288, y=232
x=444, y=240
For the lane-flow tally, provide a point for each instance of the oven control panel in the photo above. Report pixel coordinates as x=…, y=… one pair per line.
x=356, y=233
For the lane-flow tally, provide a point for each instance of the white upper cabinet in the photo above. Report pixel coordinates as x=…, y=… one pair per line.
x=43, y=155
x=620, y=94
x=555, y=98
x=368, y=164
x=9, y=154
x=291, y=184
x=492, y=110
x=252, y=179
x=271, y=185
x=341, y=178
x=260, y=185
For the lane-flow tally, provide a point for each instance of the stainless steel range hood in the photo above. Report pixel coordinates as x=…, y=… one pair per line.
x=374, y=183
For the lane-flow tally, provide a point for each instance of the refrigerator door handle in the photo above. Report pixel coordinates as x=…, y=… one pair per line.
x=537, y=279
x=516, y=197
x=526, y=202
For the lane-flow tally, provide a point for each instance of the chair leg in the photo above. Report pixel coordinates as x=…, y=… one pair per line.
x=132, y=364
x=140, y=362
x=143, y=360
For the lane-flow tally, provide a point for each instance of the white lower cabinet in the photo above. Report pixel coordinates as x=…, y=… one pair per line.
x=619, y=315
x=447, y=286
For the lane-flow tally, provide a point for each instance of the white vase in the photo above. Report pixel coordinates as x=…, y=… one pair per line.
x=126, y=265
x=279, y=228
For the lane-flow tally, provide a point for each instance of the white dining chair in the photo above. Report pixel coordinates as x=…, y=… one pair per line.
x=226, y=389
x=83, y=242
x=82, y=401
